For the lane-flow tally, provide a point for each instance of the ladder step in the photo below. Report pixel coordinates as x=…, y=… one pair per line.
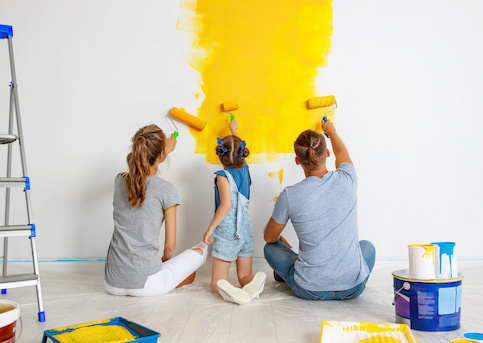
x=16, y=230
x=6, y=138
x=13, y=182
x=19, y=280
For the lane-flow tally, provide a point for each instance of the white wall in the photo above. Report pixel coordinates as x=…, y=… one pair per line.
x=407, y=78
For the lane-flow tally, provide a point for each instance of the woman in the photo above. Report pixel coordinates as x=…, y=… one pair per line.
x=142, y=201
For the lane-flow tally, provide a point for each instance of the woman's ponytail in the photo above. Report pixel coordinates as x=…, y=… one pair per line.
x=147, y=144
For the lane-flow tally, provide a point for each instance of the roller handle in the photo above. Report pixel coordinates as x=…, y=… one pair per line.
x=232, y=117
x=325, y=119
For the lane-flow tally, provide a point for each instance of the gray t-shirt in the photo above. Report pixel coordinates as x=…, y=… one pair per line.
x=323, y=212
x=133, y=252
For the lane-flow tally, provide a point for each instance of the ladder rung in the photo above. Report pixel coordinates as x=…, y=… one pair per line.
x=6, y=138
x=15, y=230
x=12, y=181
x=19, y=280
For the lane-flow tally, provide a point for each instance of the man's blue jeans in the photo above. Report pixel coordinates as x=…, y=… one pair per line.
x=282, y=259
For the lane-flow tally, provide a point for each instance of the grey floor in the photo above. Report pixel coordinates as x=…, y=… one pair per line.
x=74, y=294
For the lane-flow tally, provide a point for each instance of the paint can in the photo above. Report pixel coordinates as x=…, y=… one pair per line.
x=9, y=313
x=427, y=305
x=445, y=261
x=421, y=261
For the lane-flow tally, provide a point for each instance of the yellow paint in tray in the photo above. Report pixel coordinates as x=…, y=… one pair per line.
x=97, y=333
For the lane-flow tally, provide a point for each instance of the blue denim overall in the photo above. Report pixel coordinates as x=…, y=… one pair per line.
x=234, y=236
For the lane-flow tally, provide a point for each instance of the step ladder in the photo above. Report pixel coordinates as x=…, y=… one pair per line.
x=27, y=230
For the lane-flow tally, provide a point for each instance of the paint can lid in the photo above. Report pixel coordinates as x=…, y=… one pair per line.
x=477, y=336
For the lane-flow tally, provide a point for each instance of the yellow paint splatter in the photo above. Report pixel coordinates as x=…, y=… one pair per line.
x=277, y=174
x=264, y=54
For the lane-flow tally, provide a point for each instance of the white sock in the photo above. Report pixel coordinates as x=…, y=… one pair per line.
x=255, y=287
x=232, y=293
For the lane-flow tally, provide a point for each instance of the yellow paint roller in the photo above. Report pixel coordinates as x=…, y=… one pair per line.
x=322, y=101
x=192, y=121
x=230, y=106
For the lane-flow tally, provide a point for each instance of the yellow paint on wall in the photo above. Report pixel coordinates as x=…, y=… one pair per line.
x=265, y=54
x=279, y=175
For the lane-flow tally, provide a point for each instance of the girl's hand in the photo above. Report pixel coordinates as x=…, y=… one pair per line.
x=170, y=145
x=233, y=126
x=207, y=236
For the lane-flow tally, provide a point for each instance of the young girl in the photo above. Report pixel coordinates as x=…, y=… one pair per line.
x=142, y=201
x=231, y=227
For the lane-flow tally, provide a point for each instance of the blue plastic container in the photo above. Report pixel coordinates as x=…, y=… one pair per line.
x=142, y=334
x=427, y=305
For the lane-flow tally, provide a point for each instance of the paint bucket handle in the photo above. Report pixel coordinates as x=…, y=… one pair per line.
x=407, y=286
x=21, y=328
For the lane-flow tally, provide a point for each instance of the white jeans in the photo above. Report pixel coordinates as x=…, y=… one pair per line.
x=174, y=271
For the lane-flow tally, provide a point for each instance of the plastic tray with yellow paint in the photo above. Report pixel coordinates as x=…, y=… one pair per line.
x=114, y=330
x=360, y=332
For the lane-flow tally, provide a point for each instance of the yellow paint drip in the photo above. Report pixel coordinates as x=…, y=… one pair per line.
x=265, y=55
x=98, y=333
x=429, y=251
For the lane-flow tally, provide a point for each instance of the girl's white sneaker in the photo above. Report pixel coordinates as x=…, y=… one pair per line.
x=232, y=293
x=255, y=287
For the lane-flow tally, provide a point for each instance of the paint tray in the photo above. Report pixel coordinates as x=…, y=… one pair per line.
x=360, y=332
x=114, y=330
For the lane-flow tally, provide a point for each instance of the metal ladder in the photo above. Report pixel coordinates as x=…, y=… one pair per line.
x=27, y=230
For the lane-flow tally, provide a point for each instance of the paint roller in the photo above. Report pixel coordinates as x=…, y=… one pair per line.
x=321, y=102
x=181, y=115
x=230, y=106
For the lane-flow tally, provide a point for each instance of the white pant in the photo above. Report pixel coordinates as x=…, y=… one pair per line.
x=174, y=271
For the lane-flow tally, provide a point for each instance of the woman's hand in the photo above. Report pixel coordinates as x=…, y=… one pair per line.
x=207, y=236
x=170, y=145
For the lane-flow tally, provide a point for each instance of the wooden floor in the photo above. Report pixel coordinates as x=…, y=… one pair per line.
x=74, y=294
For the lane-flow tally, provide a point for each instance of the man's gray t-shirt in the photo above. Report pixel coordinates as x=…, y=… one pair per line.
x=133, y=252
x=323, y=212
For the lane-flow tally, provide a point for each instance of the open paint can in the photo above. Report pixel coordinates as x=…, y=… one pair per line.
x=9, y=313
x=427, y=305
x=422, y=261
x=445, y=258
